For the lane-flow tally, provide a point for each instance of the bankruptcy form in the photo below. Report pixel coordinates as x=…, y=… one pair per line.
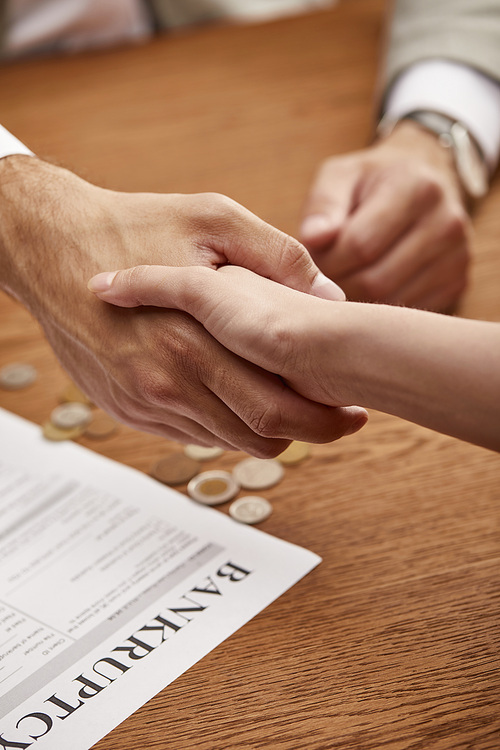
x=111, y=586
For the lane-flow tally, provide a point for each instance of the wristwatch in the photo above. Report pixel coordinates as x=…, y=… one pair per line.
x=469, y=161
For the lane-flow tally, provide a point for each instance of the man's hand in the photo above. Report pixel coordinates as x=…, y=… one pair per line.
x=389, y=223
x=278, y=329
x=156, y=370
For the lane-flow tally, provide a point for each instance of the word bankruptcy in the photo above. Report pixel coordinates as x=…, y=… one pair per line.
x=34, y=725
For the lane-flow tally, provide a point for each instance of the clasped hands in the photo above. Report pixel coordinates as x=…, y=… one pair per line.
x=213, y=347
x=390, y=227
x=157, y=370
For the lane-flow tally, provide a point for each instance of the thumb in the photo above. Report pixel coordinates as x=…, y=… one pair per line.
x=155, y=286
x=249, y=242
x=328, y=205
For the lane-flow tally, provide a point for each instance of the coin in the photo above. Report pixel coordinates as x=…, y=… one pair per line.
x=258, y=473
x=17, y=375
x=74, y=395
x=51, y=432
x=175, y=469
x=199, y=453
x=101, y=426
x=295, y=453
x=250, y=509
x=213, y=487
x=71, y=415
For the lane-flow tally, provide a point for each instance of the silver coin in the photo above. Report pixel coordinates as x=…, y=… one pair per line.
x=199, y=453
x=72, y=414
x=16, y=376
x=258, y=473
x=250, y=509
x=213, y=487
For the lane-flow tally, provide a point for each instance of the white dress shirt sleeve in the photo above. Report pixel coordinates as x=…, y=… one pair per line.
x=456, y=90
x=9, y=144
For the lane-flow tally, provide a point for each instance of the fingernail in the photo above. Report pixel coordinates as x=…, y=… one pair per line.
x=315, y=226
x=357, y=425
x=102, y=281
x=325, y=288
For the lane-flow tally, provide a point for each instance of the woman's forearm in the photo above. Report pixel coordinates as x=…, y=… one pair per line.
x=439, y=371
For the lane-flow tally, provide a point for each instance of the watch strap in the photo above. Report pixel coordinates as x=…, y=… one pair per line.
x=469, y=160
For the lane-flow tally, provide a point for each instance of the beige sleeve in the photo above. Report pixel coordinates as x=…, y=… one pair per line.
x=465, y=31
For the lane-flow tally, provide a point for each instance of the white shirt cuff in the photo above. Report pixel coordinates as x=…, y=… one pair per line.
x=452, y=89
x=9, y=144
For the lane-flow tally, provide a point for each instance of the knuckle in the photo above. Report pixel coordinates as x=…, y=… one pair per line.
x=211, y=207
x=456, y=225
x=266, y=420
x=157, y=389
x=290, y=254
x=184, y=348
x=362, y=248
x=169, y=380
x=196, y=278
x=372, y=288
x=266, y=448
x=458, y=275
x=429, y=189
x=132, y=280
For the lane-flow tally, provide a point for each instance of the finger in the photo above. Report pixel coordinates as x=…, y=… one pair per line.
x=230, y=398
x=273, y=410
x=389, y=211
x=328, y=204
x=247, y=241
x=179, y=436
x=392, y=277
x=255, y=411
x=136, y=410
x=439, y=285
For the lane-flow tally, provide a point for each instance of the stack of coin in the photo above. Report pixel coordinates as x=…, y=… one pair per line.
x=73, y=394
x=295, y=453
x=15, y=376
x=217, y=487
x=67, y=421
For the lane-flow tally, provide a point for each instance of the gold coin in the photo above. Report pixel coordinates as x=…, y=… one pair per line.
x=101, y=426
x=213, y=487
x=175, y=469
x=294, y=454
x=51, y=432
x=74, y=395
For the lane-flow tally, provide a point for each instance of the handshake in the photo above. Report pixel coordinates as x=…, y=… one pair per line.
x=209, y=326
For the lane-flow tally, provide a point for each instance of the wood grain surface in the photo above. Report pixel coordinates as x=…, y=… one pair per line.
x=393, y=641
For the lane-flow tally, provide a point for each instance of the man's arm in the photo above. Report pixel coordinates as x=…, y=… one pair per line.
x=390, y=222
x=157, y=371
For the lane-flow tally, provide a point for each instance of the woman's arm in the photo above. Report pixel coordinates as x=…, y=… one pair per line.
x=438, y=371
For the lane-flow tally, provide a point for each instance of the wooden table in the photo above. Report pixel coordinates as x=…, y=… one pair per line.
x=393, y=642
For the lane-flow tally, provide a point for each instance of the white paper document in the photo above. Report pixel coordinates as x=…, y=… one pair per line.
x=111, y=586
